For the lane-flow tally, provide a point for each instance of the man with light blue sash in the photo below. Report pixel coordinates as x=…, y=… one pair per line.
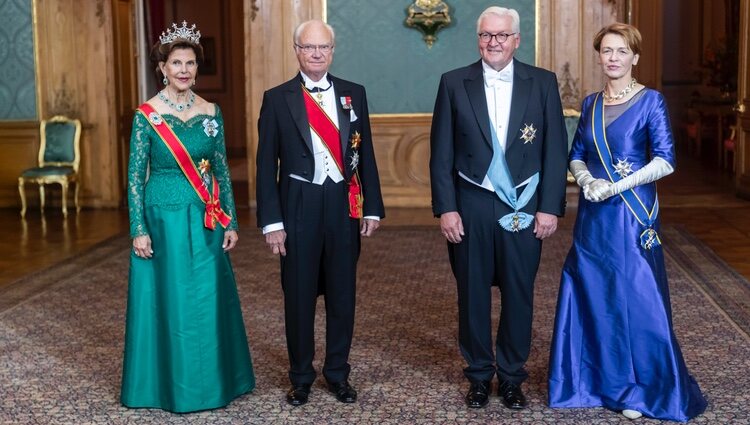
x=497, y=168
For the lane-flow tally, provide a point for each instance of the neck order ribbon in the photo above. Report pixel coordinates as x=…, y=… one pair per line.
x=502, y=182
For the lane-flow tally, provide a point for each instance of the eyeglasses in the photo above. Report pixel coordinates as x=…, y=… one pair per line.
x=500, y=37
x=310, y=48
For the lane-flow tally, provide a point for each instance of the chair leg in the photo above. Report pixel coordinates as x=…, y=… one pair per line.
x=64, y=198
x=78, y=207
x=22, y=192
x=41, y=197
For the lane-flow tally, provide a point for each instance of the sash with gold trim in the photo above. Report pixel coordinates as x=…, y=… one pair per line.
x=322, y=125
x=648, y=238
x=214, y=213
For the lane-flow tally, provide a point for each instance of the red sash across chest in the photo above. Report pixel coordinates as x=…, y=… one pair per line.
x=214, y=213
x=321, y=124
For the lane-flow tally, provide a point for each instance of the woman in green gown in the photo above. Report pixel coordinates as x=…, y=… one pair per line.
x=185, y=343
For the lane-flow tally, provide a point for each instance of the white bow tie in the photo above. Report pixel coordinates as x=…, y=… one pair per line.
x=493, y=79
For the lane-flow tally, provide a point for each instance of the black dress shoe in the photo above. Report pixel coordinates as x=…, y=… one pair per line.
x=512, y=395
x=343, y=391
x=478, y=395
x=297, y=395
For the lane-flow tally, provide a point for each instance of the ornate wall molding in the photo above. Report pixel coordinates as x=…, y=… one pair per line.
x=63, y=101
x=570, y=94
x=254, y=9
x=402, y=149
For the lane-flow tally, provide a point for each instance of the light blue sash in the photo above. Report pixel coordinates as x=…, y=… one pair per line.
x=649, y=238
x=499, y=176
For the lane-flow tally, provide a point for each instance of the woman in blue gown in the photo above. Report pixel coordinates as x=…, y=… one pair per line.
x=613, y=344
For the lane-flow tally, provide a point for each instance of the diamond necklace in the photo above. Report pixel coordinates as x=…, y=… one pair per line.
x=619, y=95
x=179, y=107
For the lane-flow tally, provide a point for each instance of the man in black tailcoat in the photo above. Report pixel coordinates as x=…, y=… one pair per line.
x=497, y=167
x=318, y=191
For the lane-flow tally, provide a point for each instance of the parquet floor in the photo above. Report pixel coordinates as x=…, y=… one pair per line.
x=696, y=197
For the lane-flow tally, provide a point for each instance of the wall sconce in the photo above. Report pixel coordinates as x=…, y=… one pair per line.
x=428, y=16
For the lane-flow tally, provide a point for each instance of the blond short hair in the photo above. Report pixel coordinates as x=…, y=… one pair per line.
x=630, y=33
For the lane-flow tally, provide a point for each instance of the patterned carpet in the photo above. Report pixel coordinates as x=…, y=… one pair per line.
x=61, y=336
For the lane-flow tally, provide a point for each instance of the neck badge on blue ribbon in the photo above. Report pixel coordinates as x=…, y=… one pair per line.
x=499, y=176
x=648, y=238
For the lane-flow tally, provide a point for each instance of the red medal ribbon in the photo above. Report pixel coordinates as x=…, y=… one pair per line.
x=214, y=212
x=322, y=125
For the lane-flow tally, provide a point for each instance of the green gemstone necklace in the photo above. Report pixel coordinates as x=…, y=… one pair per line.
x=179, y=107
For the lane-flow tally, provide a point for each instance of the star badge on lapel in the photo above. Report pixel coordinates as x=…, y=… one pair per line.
x=528, y=134
x=356, y=140
x=355, y=160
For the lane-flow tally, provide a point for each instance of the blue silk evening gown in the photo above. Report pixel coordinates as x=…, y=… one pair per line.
x=613, y=344
x=185, y=343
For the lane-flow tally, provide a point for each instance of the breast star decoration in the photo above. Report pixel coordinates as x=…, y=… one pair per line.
x=205, y=169
x=623, y=167
x=356, y=140
x=528, y=134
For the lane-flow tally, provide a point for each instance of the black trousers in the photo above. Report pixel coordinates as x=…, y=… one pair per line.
x=490, y=255
x=322, y=248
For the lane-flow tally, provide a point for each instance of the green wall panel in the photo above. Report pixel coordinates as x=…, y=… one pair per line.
x=17, y=82
x=375, y=48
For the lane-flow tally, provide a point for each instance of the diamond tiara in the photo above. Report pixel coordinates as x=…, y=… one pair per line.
x=182, y=32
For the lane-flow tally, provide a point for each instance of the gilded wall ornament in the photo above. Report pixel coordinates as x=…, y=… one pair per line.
x=569, y=92
x=64, y=101
x=428, y=16
x=254, y=9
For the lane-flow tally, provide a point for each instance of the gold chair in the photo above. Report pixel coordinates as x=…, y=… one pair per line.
x=59, y=156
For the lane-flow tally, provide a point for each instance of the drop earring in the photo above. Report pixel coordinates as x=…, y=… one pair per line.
x=165, y=81
x=194, y=80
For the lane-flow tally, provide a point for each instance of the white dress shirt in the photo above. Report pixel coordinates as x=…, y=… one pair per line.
x=325, y=164
x=498, y=91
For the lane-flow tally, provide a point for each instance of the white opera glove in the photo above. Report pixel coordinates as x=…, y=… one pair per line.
x=593, y=189
x=580, y=173
x=652, y=171
x=597, y=190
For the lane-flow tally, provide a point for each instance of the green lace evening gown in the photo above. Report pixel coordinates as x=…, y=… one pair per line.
x=185, y=342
